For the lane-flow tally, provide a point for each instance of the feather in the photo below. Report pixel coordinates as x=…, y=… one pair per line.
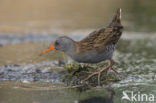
x=99, y=39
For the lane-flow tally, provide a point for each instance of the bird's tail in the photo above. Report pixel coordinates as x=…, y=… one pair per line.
x=116, y=19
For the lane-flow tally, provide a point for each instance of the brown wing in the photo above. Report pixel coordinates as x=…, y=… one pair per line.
x=98, y=40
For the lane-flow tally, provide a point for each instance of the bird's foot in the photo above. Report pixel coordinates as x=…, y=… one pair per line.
x=96, y=73
x=99, y=72
x=113, y=69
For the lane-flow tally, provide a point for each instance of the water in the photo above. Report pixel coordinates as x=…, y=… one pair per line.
x=29, y=27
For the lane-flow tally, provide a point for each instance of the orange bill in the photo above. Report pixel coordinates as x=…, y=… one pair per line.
x=48, y=50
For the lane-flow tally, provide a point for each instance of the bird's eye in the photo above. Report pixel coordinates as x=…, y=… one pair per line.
x=56, y=43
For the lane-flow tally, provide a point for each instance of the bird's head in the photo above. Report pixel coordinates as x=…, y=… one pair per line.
x=63, y=43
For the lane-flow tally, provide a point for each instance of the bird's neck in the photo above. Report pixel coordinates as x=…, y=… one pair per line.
x=73, y=48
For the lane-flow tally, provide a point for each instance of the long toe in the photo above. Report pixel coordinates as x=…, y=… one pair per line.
x=99, y=75
x=115, y=71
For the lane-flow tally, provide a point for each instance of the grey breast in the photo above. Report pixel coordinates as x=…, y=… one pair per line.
x=94, y=56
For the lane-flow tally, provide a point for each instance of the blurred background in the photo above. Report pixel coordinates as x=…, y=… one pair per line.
x=62, y=16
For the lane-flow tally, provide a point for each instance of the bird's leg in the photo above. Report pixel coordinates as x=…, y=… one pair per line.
x=110, y=64
x=115, y=70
